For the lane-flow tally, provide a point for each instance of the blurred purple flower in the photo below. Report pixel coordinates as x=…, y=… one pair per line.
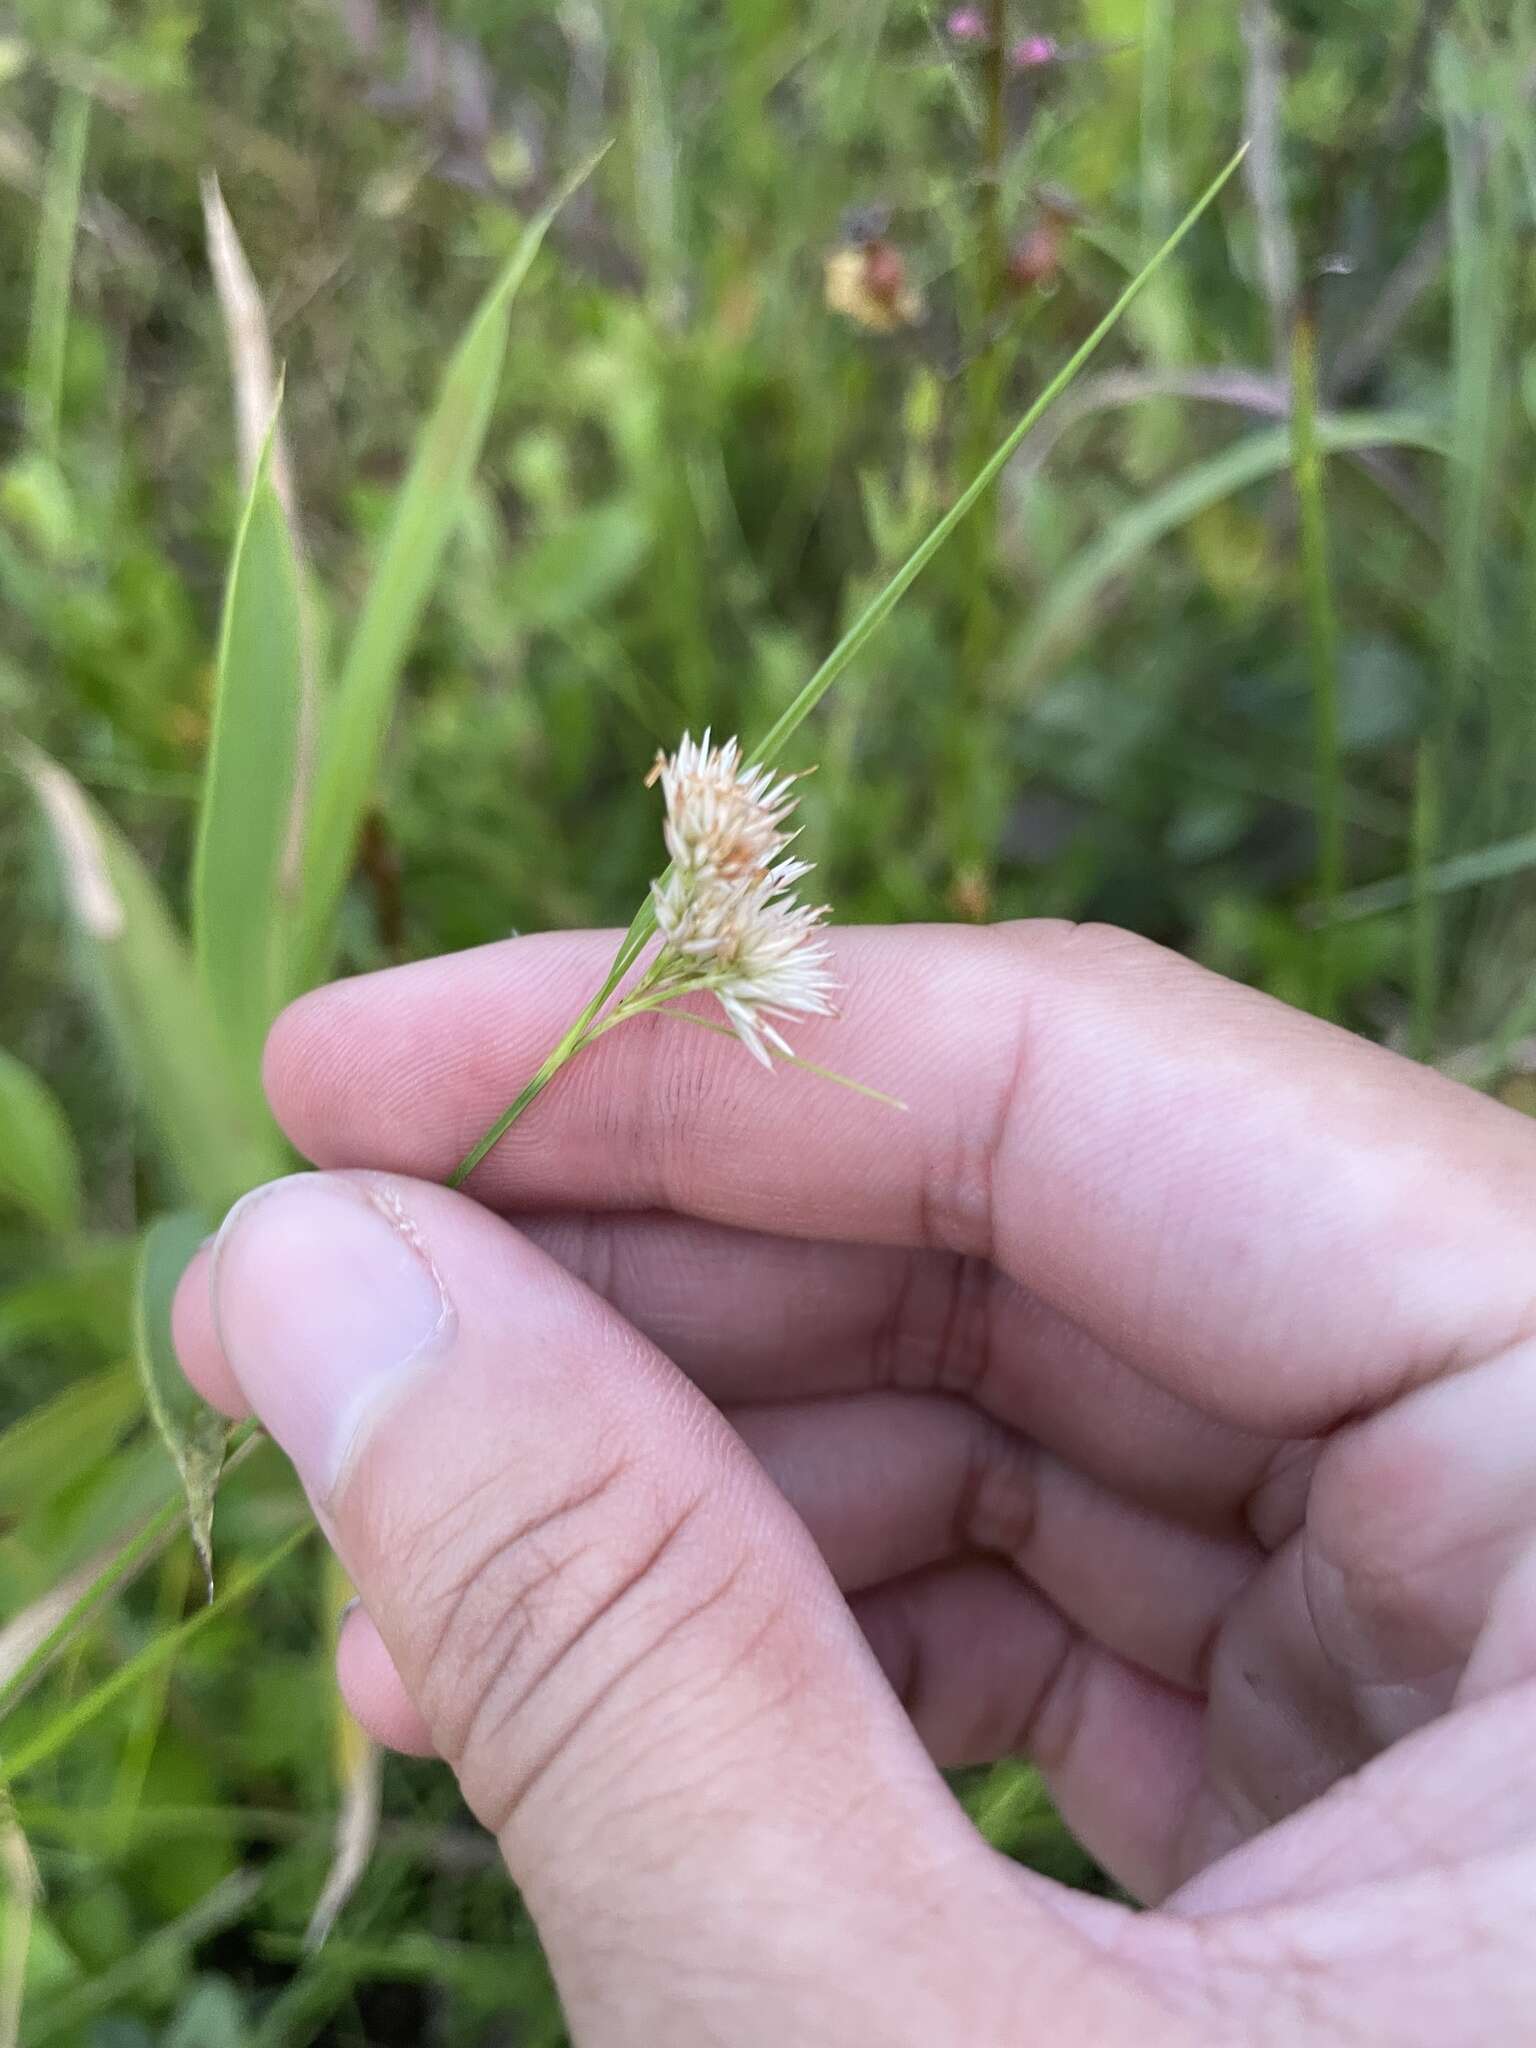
x=967, y=25
x=1035, y=52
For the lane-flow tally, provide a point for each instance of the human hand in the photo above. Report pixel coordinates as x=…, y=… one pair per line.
x=1157, y=1398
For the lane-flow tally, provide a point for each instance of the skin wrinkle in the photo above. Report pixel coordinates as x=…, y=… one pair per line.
x=519, y=1787
x=446, y=1600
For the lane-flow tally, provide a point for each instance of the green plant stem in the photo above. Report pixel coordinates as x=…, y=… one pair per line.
x=1322, y=648
x=847, y=649
x=963, y=817
x=990, y=187
x=1426, y=901
x=137, y=1553
x=531, y=1090
x=52, y=279
x=65, y=1726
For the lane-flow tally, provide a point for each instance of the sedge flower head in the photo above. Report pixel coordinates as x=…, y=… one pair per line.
x=728, y=911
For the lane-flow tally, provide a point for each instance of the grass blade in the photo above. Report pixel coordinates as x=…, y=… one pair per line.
x=357, y=1766
x=252, y=369
x=241, y=918
x=39, y=1167
x=32, y=1639
x=194, y=1434
x=1076, y=588
x=157, y=1006
x=427, y=510
x=167, y=1947
x=58, y=1733
x=53, y=274
x=851, y=645
x=1442, y=878
x=884, y=603
x=45, y=1451
x=22, y=1888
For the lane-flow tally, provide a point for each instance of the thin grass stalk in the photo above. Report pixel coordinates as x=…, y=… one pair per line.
x=964, y=817
x=136, y=1554
x=149, y=1708
x=1426, y=912
x=18, y=1874
x=1156, y=120
x=53, y=276
x=1322, y=649
x=58, y=1733
x=847, y=650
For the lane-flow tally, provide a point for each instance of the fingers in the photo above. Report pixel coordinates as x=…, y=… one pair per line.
x=612, y=1626
x=1417, y=1516
x=887, y=1484
x=752, y=1318
x=1281, y=1223
x=374, y=1690
x=986, y=1667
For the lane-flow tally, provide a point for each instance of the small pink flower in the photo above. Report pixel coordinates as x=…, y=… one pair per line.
x=1035, y=52
x=967, y=25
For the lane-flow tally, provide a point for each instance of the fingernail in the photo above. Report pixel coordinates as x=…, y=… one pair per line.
x=324, y=1299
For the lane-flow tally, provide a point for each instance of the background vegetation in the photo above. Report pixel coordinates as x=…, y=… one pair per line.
x=1240, y=654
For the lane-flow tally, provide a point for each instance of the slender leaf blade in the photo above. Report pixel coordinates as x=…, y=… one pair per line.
x=45, y=1451
x=58, y=1732
x=53, y=272
x=194, y=1434
x=240, y=913
x=155, y=1002
x=39, y=1166
x=884, y=603
x=1076, y=588
x=427, y=511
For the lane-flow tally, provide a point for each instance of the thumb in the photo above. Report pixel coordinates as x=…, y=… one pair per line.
x=617, y=1633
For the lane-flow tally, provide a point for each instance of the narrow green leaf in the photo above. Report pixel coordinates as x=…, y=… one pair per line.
x=29, y=1642
x=1070, y=601
x=193, y=1433
x=53, y=271
x=1443, y=878
x=22, y=1889
x=241, y=918
x=39, y=1167
x=427, y=511
x=1309, y=476
x=880, y=607
x=148, y=1962
x=62, y=1729
x=151, y=993
x=869, y=621
x=47, y=1450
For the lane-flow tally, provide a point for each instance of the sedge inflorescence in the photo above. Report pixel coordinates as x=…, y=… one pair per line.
x=728, y=909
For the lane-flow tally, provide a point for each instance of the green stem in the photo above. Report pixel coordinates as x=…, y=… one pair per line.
x=62, y=1730
x=531, y=1090
x=54, y=270
x=1426, y=903
x=847, y=649
x=1322, y=647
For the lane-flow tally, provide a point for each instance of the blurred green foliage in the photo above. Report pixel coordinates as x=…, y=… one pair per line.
x=1101, y=701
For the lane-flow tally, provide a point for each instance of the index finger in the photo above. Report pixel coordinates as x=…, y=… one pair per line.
x=1271, y=1217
